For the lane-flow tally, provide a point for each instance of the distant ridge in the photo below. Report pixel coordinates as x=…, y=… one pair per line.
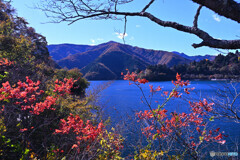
x=108, y=60
x=196, y=58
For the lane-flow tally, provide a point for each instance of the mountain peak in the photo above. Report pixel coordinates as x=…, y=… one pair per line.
x=110, y=42
x=111, y=58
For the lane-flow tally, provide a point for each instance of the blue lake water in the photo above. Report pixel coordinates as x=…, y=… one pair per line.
x=122, y=100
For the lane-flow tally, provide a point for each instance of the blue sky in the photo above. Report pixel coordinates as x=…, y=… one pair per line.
x=141, y=32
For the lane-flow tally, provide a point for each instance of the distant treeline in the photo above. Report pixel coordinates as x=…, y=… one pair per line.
x=222, y=67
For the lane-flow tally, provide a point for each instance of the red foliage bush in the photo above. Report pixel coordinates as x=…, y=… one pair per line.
x=188, y=129
x=84, y=132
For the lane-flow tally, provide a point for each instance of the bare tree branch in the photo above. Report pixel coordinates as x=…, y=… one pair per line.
x=227, y=102
x=72, y=11
x=207, y=39
x=227, y=8
x=195, y=22
x=148, y=5
x=116, y=2
x=125, y=28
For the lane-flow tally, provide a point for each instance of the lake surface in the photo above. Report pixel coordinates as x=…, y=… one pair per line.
x=122, y=101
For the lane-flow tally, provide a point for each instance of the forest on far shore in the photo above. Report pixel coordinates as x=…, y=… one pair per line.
x=222, y=67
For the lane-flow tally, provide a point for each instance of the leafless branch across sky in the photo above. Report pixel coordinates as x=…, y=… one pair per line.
x=75, y=10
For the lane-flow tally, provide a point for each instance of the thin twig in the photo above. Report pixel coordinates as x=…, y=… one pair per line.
x=125, y=28
x=148, y=5
x=195, y=22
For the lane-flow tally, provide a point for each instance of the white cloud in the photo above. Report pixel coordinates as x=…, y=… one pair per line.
x=137, y=26
x=216, y=18
x=121, y=35
x=94, y=41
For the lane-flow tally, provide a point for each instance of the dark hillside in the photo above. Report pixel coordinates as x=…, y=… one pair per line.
x=111, y=58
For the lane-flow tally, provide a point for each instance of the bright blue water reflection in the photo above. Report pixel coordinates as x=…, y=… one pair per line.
x=123, y=100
